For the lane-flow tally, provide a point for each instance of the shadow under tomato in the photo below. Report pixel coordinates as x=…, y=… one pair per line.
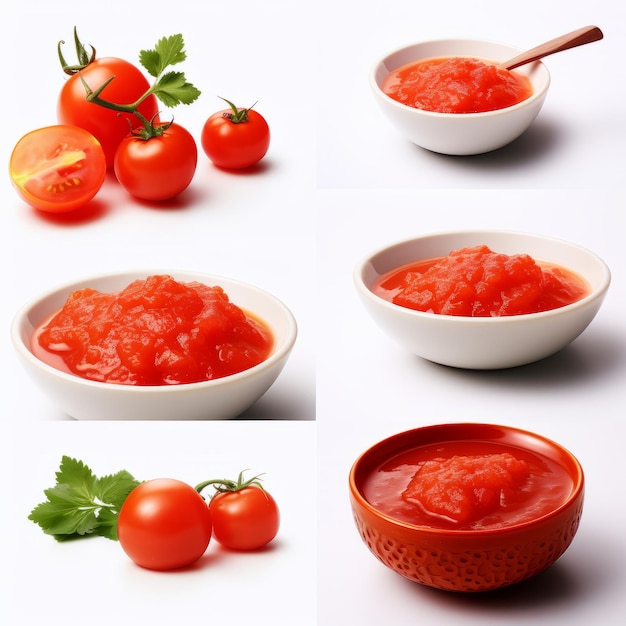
x=259, y=168
x=187, y=199
x=94, y=210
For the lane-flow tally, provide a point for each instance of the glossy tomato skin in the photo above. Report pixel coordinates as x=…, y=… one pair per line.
x=247, y=519
x=57, y=169
x=106, y=125
x=164, y=524
x=232, y=145
x=158, y=168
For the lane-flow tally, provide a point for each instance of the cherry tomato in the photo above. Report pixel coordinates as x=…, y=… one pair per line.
x=107, y=126
x=235, y=138
x=164, y=524
x=158, y=168
x=57, y=168
x=246, y=519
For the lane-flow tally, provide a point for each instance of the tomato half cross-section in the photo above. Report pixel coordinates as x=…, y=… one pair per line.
x=58, y=168
x=164, y=524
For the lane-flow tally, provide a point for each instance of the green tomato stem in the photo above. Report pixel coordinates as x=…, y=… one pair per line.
x=148, y=128
x=223, y=485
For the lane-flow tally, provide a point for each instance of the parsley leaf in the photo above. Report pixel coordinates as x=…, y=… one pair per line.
x=168, y=51
x=170, y=88
x=81, y=504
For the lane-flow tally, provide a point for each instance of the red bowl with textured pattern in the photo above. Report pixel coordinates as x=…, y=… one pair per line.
x=523, y=535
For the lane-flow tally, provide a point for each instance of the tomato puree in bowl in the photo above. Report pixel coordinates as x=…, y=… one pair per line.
x=456, y=85
x=155, y=331
x=478, y=282
x=467, y=485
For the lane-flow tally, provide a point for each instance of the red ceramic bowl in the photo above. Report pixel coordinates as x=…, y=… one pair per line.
x=468, y=560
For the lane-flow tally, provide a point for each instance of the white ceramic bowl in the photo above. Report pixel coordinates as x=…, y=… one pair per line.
x=483, y=342
x=222, y=398
x=454, y=133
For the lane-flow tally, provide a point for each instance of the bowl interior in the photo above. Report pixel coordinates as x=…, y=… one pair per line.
x=253, y=300
x=483, y=50
x=383, y=451
x=569, y=255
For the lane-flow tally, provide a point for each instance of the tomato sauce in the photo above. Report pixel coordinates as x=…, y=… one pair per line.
x=156, y=331
x=477, y=282
x=456, y=85
x=467, y=485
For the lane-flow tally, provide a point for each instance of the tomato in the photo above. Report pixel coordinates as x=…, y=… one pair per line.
x=246, y=519
x=158, y=168
x=235, y=138
x=57, y=168
x=164, y=524
x=108, y=126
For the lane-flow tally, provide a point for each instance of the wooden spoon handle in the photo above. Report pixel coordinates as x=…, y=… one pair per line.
x=579, y=37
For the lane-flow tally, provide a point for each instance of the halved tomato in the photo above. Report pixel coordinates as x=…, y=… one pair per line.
x=58, y=168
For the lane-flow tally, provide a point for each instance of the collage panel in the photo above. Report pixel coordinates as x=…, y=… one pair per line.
x=386, y=142
x=162, y=330
x=94, y=577
x=382, y=406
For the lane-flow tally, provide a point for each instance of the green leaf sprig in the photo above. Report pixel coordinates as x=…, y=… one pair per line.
x=80, y=504
x=170, y=87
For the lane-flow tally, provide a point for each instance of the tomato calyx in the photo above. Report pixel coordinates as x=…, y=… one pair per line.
x=236, y=116
x=84, y=58
x=224, y=485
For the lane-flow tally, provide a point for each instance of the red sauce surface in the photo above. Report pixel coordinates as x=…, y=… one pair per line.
x=477, y=282
x=467, y=485
x=456, y=85
x=156, y=331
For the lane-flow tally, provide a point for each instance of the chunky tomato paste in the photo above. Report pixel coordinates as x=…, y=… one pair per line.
x=156, y=331
x=468, y=485
x=456, y=85
x=477, y=282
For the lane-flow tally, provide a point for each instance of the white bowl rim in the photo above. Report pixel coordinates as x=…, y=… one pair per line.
x=536, y=95
x=596, y=293
x=279, y=352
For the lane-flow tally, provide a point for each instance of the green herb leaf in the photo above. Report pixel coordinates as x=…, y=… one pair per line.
x=168, y=51
x=172, y=89
x=81, y=504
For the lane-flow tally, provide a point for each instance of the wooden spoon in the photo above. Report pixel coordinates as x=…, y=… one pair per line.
x=579, y=37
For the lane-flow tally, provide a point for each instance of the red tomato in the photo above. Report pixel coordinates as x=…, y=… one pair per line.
x=164, y=524
x=246, y=519
x=57, y=168
x=158, y=168
x=108, y=126
x=233, y=144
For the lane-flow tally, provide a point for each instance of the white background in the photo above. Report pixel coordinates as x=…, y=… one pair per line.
x=337, y=183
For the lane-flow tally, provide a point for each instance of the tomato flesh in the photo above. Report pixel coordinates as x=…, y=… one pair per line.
x=108, y=126
x=247, y=519
x=464, y=489
x=456, y=85
x=164, y=524
x=57, y=168
x=478, y=282
x=156, y=331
